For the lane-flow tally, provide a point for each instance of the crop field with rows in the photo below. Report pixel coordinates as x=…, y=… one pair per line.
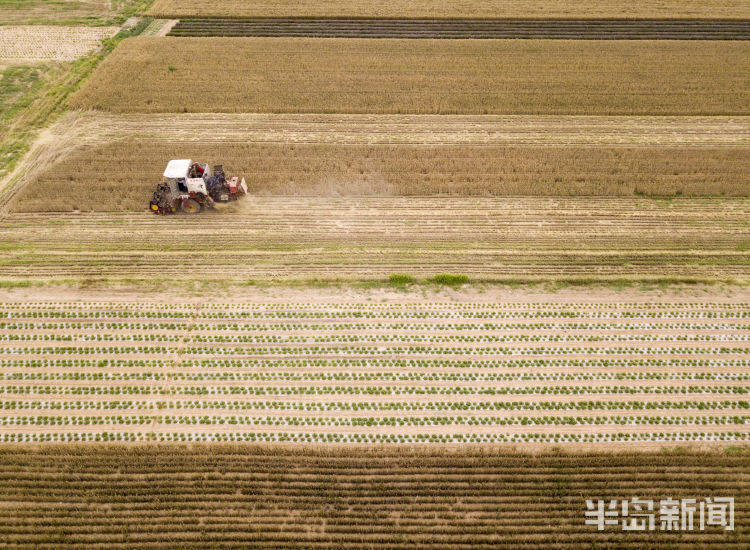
x=488, y=9
x=308, y=75
x=98, y=178
x=348, y=372
x=605, y=29
x=365, y=239
x=86, y=161
x=480, y=281
x=388, y=155
x=254, y=496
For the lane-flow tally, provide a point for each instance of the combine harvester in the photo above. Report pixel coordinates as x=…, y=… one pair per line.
x=188, y=186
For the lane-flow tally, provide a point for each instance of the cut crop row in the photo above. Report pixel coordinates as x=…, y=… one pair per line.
x=589, y=29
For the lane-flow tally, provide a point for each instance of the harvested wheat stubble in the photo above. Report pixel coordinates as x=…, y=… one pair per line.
x=427, y=76
x=491, y=9
x=367, y=238
x=41, y=43
x=94, y=127
x=252, y=496
x=99, y=178
x=635, y=373
x=598, y=29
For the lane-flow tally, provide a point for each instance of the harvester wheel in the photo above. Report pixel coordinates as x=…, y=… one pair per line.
x=191, y=206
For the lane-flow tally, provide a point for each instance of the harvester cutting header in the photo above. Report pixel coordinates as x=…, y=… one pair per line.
x=188, y=186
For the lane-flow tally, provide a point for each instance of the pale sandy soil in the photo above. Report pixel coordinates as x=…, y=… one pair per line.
x=700, y=295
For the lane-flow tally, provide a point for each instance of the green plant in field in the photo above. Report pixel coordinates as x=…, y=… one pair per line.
x=401, y=279
x=450, y=279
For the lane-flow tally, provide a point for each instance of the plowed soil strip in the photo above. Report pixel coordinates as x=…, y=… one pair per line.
x=591, y=29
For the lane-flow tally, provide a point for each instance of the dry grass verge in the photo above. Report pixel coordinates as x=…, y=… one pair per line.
x=730, y=9
x=122, y=175
x=426, y=76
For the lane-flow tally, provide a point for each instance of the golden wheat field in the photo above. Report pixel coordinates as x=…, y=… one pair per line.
x=285, y=75
x=730, y=9
x=100, y=177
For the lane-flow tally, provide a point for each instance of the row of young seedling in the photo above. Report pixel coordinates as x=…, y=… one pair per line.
x=368, y=338
x=376, y=363
x=352, y=406
x=428, y=350
x=372, y=421
x=374, y=438
x=88, y=337
x=480, y=406
x=366, y=306
x=299, y=375
x=374, y=350
x=424, y=390
x=296, y=312
x=374, y=337
x=187, y=326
